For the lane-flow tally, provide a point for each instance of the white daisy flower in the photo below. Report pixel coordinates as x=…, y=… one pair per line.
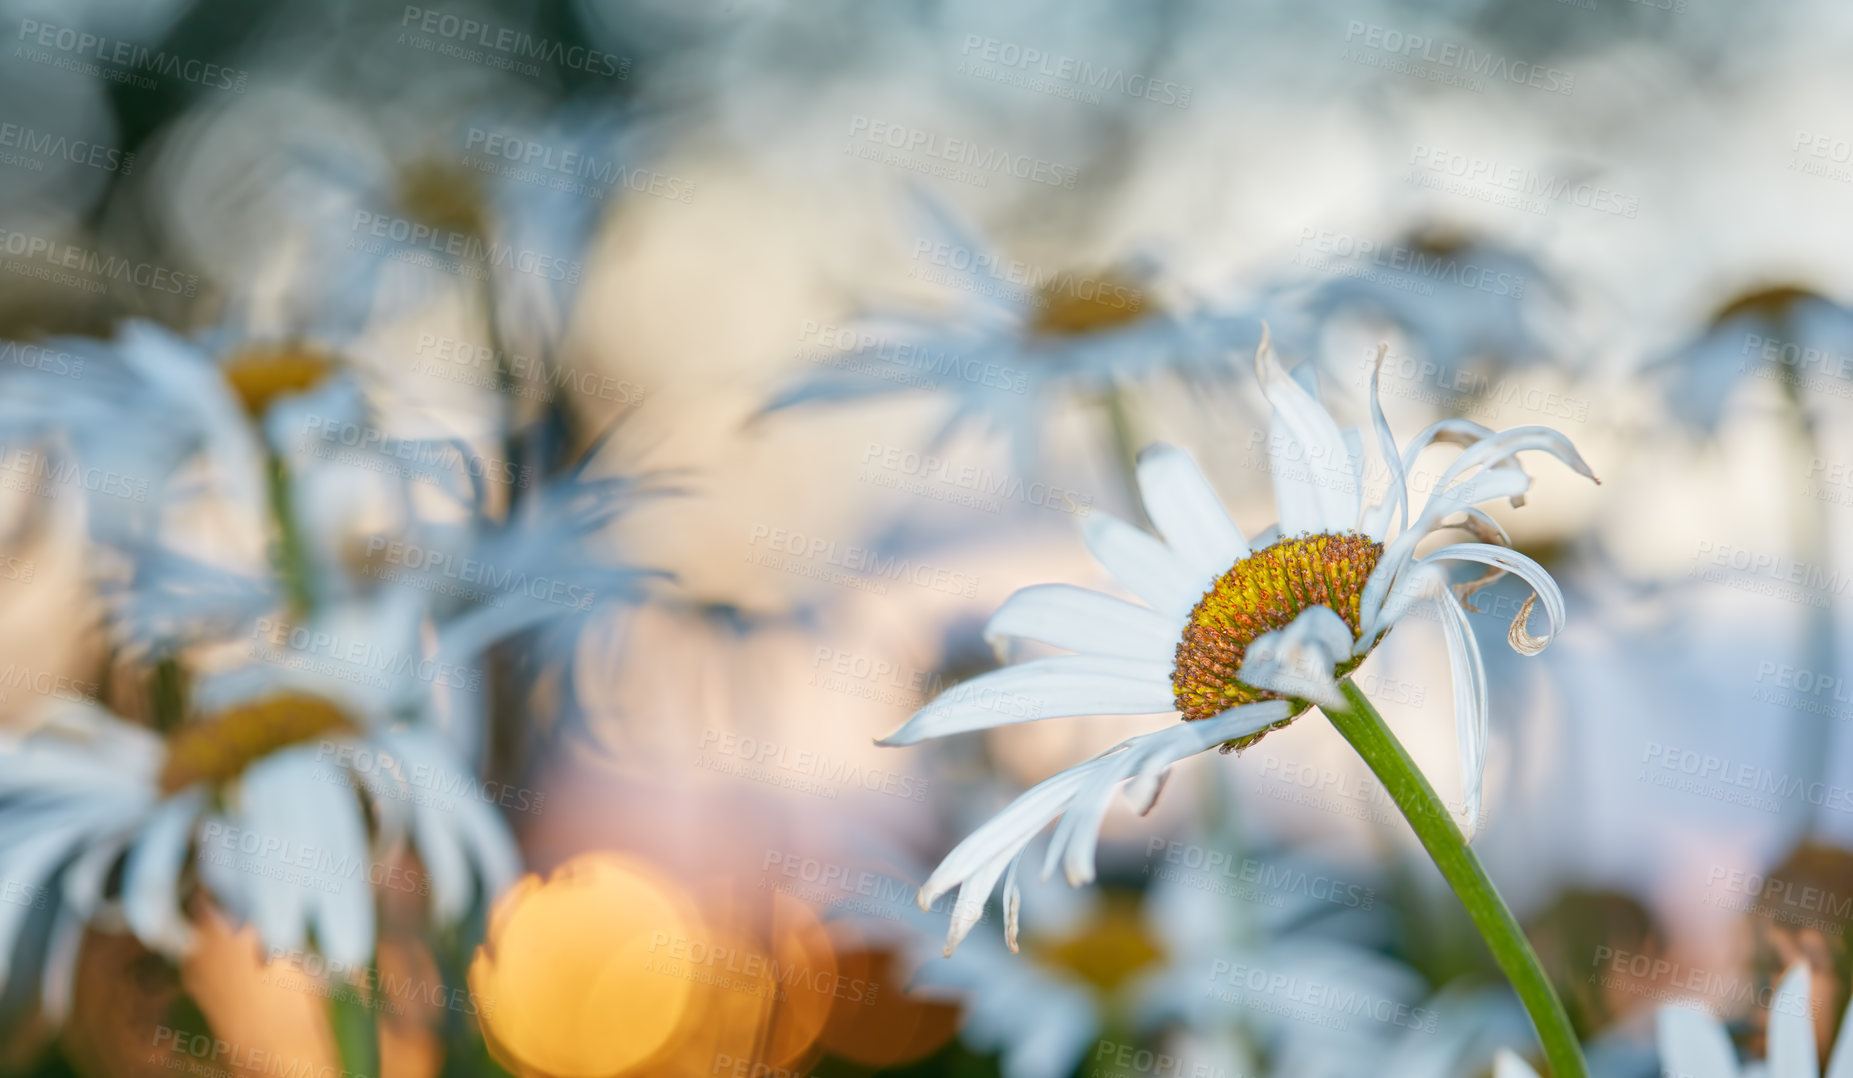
x=267, y=797
x=1021, y=337
x=1694, y=1044
x=1240, y=639
x=1780, y=333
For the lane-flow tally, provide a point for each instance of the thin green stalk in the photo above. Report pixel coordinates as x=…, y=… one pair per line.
x=292, y=556
x=1365, y=729
x=356, y=1028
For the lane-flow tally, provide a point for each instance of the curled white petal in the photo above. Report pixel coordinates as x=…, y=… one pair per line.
x=1544, y=589
x=1468, y=670
x=1299, y=660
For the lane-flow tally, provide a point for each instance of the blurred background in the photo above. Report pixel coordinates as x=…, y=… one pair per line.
x=754, y=352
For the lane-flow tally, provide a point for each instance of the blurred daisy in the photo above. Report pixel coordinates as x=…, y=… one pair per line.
x=1240, y=639
x=1695, y=1044
x=1456, y=298
x=1787, y=334
x=1020, y=338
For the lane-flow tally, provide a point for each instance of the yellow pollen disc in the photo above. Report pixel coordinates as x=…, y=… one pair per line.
x=1110, y=947
x=442, y=196
x=219, y=748
x=1263, y=592
x=265, y=373
x=1071, y=306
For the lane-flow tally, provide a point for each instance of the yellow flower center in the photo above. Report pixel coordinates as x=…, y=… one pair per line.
x=1110, y=947
x=220, y=748
x=1259, y=594
x=262, y=374
x=444, y=196
x=1071, y=306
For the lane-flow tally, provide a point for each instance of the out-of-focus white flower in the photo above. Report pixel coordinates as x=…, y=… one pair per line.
x=1693, y=1043
x=1021, y=337
x=1239, y=639
x=1786, y=334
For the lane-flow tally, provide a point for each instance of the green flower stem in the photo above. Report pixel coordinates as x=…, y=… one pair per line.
x=356, y=1029
x=292, y=556
x=1365, y=729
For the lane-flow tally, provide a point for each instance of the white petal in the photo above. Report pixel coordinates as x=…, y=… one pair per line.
x=1462, y=432
x=1791, y=1027
x=1840, y=1063
x=1396, y=499
x=1147, y=567
x=30, y=863
x=1313, y=478
x=1188, y=513
x=151, y=875
x=975, y=864
x=60, y=977
x=1469, y=673
x=1525, y=569
x=1483, y=486
x=1693, y=1044
x=1085, y=621
x=1507, y=1065
x=1041, y=689
x=1299, y=660
x=1495, y=450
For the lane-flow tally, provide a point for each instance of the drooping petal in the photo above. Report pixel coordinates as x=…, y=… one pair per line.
x=151, y=875
x=1147, y=567
x=1376, y=522
x=1299, y=660
x=1542, y=586
x=1188, y=513
x=1317, y=493
x=1840, y=1062
x=1477, y=488
x=1085, y=621
x=1791, y=1026
x=975, y=864
x=1042, y=689
x=1468, y=671
x=1692, y=1044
